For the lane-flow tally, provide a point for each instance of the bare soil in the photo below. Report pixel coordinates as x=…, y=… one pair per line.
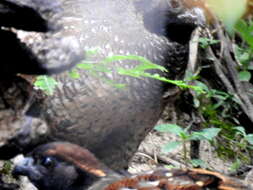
x=150, y=155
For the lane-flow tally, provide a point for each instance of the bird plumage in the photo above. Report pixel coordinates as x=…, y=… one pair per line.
x=89, y=110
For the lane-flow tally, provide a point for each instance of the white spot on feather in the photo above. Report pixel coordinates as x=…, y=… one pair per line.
x=143, y=184
x=126, y=188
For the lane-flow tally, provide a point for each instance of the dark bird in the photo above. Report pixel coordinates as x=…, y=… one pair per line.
x=88, y=110
x=65, y=166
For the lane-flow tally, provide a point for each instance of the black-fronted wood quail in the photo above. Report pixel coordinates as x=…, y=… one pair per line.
x=88, y=110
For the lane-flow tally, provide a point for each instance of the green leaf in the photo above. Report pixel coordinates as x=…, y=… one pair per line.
x=244, y=56
x=74, y=74
x=205, y=42
x=245, y=32
x=206, y=134
x=249, y=138
x=235, y=165
x=169, y=167
x=46, y=84
x=6, y=168
x=171, y=146
x=140, y=70
x=130, y=72
x=172, y=128
x=189, y=76
x=220, y=94
x=244, y=76
x=85, y=66
x=202, y=85
x=198, y=163
x=144, y=64
x=241, y=130
x=250, y=67
x=178, y=83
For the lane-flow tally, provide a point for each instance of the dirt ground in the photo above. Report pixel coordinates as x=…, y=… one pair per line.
x=150, y=155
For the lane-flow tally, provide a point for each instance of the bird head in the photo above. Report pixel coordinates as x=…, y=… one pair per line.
x=61, y=166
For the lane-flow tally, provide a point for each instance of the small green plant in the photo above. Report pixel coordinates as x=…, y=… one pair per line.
x=205, y=42
x=140, y=70
x=244, y=56
x=244, y=52
x=244, y=29
x=235, y=165
x=217, y=98
x=185, y=136
x=238, y=145
x=46, y=84
x=217, y=108
x=197, y=163
x=247, y=138
x=7, y=167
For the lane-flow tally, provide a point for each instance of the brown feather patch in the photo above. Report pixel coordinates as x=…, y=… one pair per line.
x=178, y=179
x=226, y=183
x=166, y=180
x=79, y=156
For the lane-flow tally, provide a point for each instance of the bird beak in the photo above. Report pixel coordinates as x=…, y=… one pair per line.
x=24, y=167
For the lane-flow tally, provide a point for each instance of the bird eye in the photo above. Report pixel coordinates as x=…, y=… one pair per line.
x=47, y=162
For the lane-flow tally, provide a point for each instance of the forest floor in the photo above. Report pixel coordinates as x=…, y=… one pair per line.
x=150, y=154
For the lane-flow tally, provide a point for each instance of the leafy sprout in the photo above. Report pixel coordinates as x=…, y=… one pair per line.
x=140, y=70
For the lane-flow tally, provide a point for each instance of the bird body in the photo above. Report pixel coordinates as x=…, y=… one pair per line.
x=65, y=166
x=89, y=110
